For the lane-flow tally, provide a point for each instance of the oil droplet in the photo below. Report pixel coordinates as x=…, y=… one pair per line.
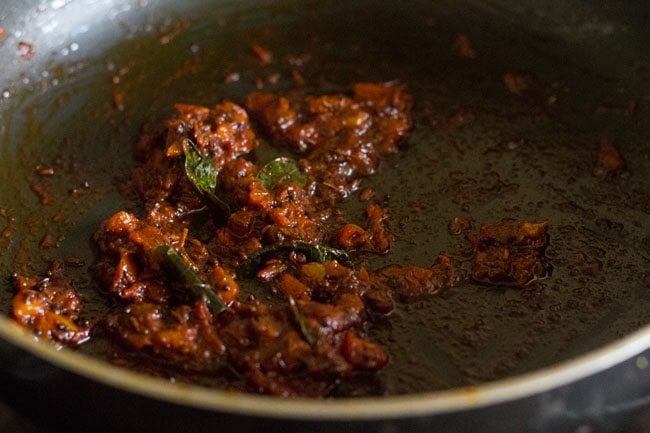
x=74, y=46
x=57, y=4
x=6, y=94
x=642, y=363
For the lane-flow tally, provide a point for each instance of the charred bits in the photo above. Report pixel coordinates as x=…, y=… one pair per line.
x=462, y=46
x=609, y=161
x=25, y=50
x=510, y=252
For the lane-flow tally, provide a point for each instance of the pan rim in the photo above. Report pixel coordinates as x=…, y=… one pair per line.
x=348, y=409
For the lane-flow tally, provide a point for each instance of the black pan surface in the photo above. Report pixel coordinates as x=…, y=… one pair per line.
x=477, y=151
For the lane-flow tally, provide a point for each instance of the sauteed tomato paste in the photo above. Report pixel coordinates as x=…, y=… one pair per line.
x=214, y=219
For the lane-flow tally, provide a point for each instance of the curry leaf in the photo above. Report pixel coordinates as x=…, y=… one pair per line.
x=203, y=174
x=321, y=253
x=200, y=169
x=282, y=169
x=307, y=334
x=189, y=279
x=314, y=253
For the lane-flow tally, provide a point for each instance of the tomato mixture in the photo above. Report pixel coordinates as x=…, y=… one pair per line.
x=214, y=219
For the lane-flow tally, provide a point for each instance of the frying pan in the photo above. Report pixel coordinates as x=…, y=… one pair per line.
x=566, y=354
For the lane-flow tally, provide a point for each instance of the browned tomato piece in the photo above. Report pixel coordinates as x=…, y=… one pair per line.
x=608, y=159
x=511, y=252
x=50, y=307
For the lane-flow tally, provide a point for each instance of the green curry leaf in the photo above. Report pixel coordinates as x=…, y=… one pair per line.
x=282, y=169
x=174, y=262
x=203, y=174
x=314, y=253
x=199, y=169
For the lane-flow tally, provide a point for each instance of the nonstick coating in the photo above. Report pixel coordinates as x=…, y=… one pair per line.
x=477, y=150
